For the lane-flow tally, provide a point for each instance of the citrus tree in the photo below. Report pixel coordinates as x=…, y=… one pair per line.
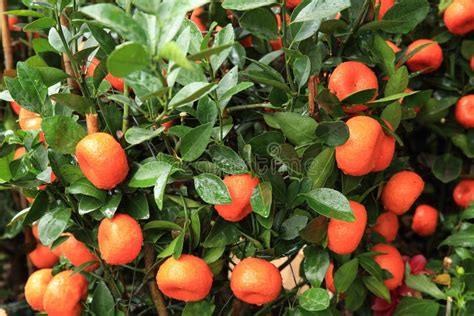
x=241, y=157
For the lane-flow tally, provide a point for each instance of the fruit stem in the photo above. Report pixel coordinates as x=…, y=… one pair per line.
x=6, y=38
x=92, y=123
x=156, y=295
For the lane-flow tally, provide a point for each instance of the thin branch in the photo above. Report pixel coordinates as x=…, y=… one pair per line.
x=154, y=291
x=6, y=37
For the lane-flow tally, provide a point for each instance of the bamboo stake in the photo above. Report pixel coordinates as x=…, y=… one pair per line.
x=6, y=37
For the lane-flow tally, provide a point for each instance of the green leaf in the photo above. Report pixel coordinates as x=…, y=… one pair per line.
x=447, y=167
x=162, y=225
x=51, y=75
x=408, y=13
x=261, y=200
x=461, y=239
x=223, y=233
x=360, y=97
x=356, y=295
x=41, y=23
x=172, y=51
x=237, y=89
x=301, y=68
x=332, y=134
x=321, y=167
x=316, y=263
x=191, y=93
x=84, y=187
x=465, y=143
x=423, y=284
x=369, y=265
x=261, y=22
x=330, y=203
x=194, y=143
x=398, y=82
x=202, y=308
x=205, y=53
x=41, y=45
x=137, y=206
x=297, y=128
x=148, y=174
x=314, y=299
x=103, y=301
x=213, y=254
x=24, y=13
x=411, y=306
x=384, y=55
x=242, y=5
x=468, y=213
x=393, y=114
x=75, y=102
x=127, y=58
x=53, y=224
x=39, y=207
x=88, y=204
x=207, y=111
x=116, y=19
x=345, y=275
x=160, y=184
x=227, y=159
x=224, y=37
x=377, y=287
x=138, y=135
x=62, y=133
x=292, y=226
x=315, y=231
x=212, y=189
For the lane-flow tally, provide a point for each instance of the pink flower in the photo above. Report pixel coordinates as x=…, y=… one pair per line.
x=381, y=307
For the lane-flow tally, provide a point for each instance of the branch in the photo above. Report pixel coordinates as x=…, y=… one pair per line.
x=6, y=37
x=312, y=93
x=67, y=65
x=154, y=291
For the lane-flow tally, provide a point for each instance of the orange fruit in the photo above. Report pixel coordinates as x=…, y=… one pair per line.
x=255, y=281
x=291, y=4
x=19, y=152
x=77, y=253
x=394, y=47
x=384, y=6
x=102, y=160
x=188, y=278
x=116, y=82
x=120, y=239
x=391, y=261
x=34, y=230
x=15, y=107
x=387, y=226
x=247, y=41
x=35, y=288
x=30, y=121
x=329, y=278
x=425, y=220
x=459, y=17
x=350, y=77
x=195, y=17
x=344, y=237
x=240, y=187
x=278, y=44
x=387, y=149
x=472, y=63
x=463, y=193
x=464, y=111
x=357, y=156
x=12, y=21
x=42, y=257
x=428, y=59
x=64, y=294
x=52, y=178
x=401, y=191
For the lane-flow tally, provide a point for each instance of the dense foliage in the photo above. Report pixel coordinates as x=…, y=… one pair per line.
x=197, y=90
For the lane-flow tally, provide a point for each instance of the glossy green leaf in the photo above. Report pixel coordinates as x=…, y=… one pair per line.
x=330, y=203
x=292, y=226
x=321, y=167
x=314, y=299
x=194, y=143
x=447, y=167
x=411, y=306
x=53, y=224
x=75, y=102
x=242, y=5
x=138, y=135
x=202, y=308
x=62, y=133
x=84, y=187
x=297, y=128
x=103, y=301
x=261, y=200
x=212, y=189
x=148, y=174
x=316, y=263
x=227, y=159
x=332, y=134
x=345, y=275
x=377, y=287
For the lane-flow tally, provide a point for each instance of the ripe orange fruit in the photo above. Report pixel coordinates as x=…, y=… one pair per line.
x=15, y=107
x=391, y=261
x=195, y=17
x=387, y=226
x=387, y=149
x=255, y=281
x=77, y=253
x=42, y=257
x=116, y=82
x=291, y=4
x=102, y=160
x=120, y=239
x=472, y=63
x=12, y=21
x=385, y=5
x=240, y=187
x=35, y=288
x=188, y=278
x=329, y=278
x=350, y=77
x=394, y=47
x=19, y=152
x=401, y=191
x=34, y=230
x=464, y=111
x=30, y=121
x=64, y=294
x=428, y=59
x=459, y=17
x=344, y=237
x=52, y=178
x=278, y=44
x=425, y=220
x=463, y=193
x=357, y=156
